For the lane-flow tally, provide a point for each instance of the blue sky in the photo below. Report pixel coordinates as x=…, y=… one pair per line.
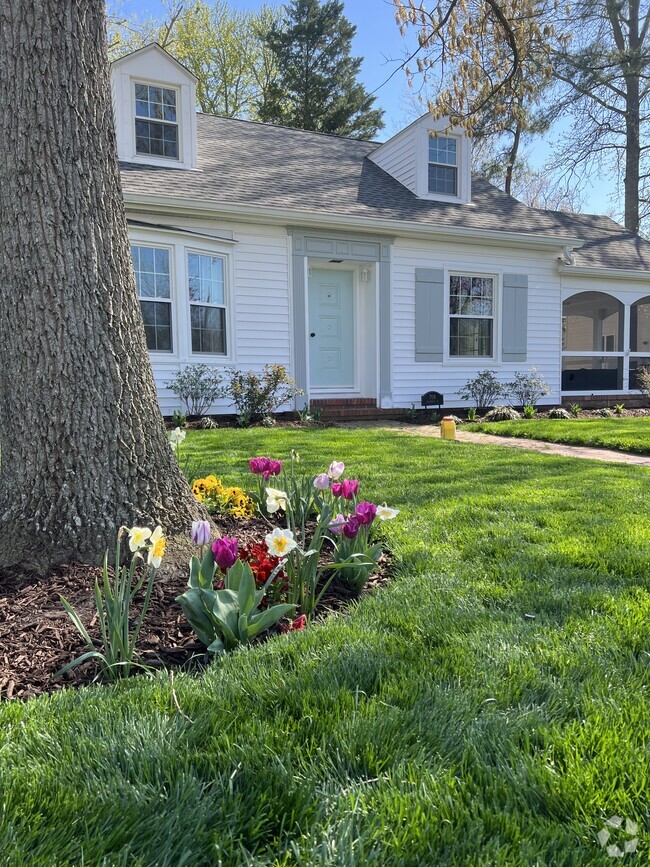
x=380, y=44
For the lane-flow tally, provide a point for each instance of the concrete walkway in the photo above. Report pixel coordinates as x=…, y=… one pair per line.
x=594, y=454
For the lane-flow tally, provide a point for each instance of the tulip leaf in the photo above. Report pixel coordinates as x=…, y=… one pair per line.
x=265, y=619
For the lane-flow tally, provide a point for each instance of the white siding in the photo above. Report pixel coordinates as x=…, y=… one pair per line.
x=411, y=379
x=259, y=308
x=398, y=157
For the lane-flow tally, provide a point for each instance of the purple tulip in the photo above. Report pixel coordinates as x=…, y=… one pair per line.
x=351, y=527
x=225, y=552
x=337, y=489
x=366, y=512
x=259, y=465
x=200, y=534
x=350, y=488
x=322, y=482
x=274, y=468
x=336, y=525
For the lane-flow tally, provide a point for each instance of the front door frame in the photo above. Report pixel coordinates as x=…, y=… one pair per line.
x=355, y=387
x=350, y=247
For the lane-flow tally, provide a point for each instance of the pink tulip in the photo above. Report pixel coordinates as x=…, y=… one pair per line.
x=225, y=552
x=274, y=468
x=200, y=534
x=259, y=465
x=366, y=512
x=337, y=489
x=322, y=482
x=349, y=488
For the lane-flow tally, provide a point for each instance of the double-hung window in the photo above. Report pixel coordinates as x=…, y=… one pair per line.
x=205, y=274
x=153, y=280
x=156, y=121
x=443, y=165
x=471, y=316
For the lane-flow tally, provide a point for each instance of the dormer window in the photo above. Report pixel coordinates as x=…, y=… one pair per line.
x=156, y=121
x=443, y=166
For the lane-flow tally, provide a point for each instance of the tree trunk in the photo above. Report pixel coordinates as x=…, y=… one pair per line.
x=84, y=448
x=632, y=71
x=513, y=153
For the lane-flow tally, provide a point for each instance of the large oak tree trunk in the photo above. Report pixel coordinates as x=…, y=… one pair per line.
x=84, y=448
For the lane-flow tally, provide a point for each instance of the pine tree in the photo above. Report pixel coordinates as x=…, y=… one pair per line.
x=317, y=87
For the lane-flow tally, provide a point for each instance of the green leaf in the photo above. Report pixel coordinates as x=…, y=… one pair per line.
x=195, y=573
x=246, y=592
x=193, y=605
x=208, y=568
x=242, y=627
x=235, y=574
x=265, y=619
x=217, y=646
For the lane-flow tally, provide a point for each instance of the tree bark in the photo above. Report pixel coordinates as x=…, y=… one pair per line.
x=84, y=448
x=632, y=73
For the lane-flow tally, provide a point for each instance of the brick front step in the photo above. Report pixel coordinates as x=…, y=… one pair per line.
x=342, y=402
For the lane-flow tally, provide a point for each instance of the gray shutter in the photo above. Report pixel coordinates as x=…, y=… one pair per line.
x=515, y=317
x=429, y=313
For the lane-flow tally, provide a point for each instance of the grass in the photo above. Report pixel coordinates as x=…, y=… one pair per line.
x=623, y=434
x=489, y=707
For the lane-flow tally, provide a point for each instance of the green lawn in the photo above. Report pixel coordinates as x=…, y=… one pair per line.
x=490, y=707
x=625, y=434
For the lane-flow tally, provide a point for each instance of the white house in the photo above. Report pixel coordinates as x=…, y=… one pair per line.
x=374, y=272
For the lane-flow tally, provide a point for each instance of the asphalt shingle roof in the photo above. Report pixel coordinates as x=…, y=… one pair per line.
x=248, y=163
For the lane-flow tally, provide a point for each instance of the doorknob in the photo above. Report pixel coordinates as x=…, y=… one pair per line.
x=313, y=334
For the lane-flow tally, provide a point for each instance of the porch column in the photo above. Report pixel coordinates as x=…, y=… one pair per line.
x=299, y=287
x=384, y=336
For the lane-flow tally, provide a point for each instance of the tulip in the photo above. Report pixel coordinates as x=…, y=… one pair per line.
x=322, y=482
x=274, y=468
x=384, y=513
x=157, y=549
x=349, y=488
x=366, y=512
x=351, y=527
x=225, y=552
x=336, y=525
x=258, y=465
x=200, y=534
x=337, y=489
x=280, y=542
x=336, y=470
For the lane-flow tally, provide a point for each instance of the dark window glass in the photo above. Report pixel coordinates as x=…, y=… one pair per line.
x=442, y=150
x=156, y=316
x=470, y=337
x=208, y=329
x=158, y=135
x=592, y=373
x=442, y=179
x=157, y=139
x=153, y=280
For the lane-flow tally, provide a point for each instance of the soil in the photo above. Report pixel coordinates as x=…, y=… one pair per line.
x=37, y=637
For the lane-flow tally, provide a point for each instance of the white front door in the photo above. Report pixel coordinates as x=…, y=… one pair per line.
x=331, y=329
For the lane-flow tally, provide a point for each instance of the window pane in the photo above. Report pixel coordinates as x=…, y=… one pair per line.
x=442, y=180
x=208, y=329
x=592, y=322
x=442, y=150
x=152, y=277
x=635, y=365
x=471, y=296
x=470, y=337
x=591, y=373
x=159, y=139
x=208, y=285
x=156, y=316
x=640, y=326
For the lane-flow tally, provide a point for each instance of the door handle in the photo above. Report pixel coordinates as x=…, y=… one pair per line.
x=313, y=334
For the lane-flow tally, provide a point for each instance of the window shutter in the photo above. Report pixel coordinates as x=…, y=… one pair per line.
x=429, y=313
x=515, y=317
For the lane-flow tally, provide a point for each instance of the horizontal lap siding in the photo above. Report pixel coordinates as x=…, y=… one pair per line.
x=261, y=313
x=398, y=158
x=411, y=379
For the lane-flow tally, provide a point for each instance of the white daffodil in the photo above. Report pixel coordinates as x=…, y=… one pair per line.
x=176, y=437
x=157, y=548
x=384, y=513
x=138, y=538
x=275, y=500
x=280, y=542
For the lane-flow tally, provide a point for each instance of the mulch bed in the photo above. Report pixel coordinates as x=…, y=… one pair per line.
x=37, y=637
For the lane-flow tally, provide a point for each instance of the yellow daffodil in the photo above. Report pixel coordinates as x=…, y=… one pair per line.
x=138, y=538
x=157, y=548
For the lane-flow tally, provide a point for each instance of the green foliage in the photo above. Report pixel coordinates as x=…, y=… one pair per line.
x=255, y=396
x=113, y=599
x=643, y=382
x=197, y=386
x=471, y=413
x=575, y=409
x=412, y=413
x=179, y=419
x=483, y=389
x=558, y=412
x=502, y=413
x=529, y=411
x=526, y=388
x=619, y=409
x=317, y=85
x=228, y=618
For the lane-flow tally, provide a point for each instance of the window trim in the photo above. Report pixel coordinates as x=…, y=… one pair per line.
x=455, y=166
x=468, y=360
x=225, y=306
x=158, y=158
x=163, y=353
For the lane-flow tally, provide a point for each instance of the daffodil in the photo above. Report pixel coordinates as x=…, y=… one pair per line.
x=276, y=500
x=176, y=437
x=384, y=513
x=138, y=538
x=280, y=542
x=157, y=548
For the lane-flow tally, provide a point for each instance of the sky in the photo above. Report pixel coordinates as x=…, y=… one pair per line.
x=382, y=47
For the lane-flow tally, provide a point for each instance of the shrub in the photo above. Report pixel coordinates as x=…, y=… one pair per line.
x=526, y=388
x=256, y=396
x=483, y=390
x=558, y=412
x=575, y=409
x=207, y=423
x=643, y=381
x=471, y=413
x=503, y=413
x=605, y=413
x=529, y=411
x=197, y=386
x=179, y=419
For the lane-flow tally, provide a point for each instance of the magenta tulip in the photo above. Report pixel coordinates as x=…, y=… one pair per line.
x=337, y=489
x=225, y=552
x=350, y=488
x=259, y=465
x=274, y=468
x=351, y=527
x=366, y=512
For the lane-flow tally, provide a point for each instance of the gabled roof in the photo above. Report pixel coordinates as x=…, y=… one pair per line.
x=246, y=163
x=154, y=48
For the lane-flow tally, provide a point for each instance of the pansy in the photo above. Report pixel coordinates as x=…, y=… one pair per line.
x=157, y=548
x=384, y=513
x=225, y=552
x=275, y=500
x=280, y=542
x=336, y=470
x=138, y=538
x=366, y=512
x=322, y=482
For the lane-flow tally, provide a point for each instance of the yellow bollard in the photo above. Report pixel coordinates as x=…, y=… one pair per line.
x=448, y=428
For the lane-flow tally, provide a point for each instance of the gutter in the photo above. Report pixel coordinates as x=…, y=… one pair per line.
x=615, y=273
x=288, y=216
